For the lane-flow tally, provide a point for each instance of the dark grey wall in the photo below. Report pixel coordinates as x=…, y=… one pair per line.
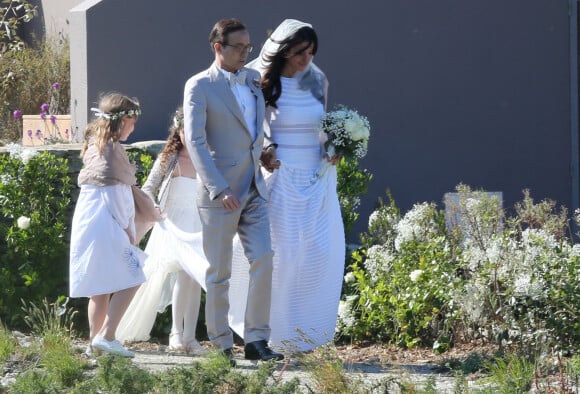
x=472, y=91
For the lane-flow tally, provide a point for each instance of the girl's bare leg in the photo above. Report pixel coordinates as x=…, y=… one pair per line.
x=98, y=306
x=117, y=306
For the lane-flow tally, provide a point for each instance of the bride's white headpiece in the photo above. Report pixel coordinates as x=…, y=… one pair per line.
x=312, y=78
x=287, y=28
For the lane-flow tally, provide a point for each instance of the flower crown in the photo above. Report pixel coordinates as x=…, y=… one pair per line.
x=177, y=121
x=115, y=115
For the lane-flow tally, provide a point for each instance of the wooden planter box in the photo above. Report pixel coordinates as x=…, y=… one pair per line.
x=37, y=131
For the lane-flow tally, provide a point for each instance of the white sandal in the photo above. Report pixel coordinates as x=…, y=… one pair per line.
x=176, y=342
x=195, y=348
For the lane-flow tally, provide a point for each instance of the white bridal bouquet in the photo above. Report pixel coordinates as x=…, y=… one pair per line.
x=347, y=135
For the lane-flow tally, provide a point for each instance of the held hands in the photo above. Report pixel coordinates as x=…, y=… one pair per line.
x=229, y=201
x=268, y=158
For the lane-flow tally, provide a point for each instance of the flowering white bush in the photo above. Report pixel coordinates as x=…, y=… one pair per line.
x=346, y=314
x=403, y=279
x=16, y=151
x=415, y=275
x=417, y=224
x=378, y=261
x=28, y=154
x=487, y=278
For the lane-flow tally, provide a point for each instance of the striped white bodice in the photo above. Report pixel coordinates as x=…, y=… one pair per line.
x=294, y=126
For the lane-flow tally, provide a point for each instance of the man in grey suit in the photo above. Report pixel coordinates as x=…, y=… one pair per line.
x=223, y=120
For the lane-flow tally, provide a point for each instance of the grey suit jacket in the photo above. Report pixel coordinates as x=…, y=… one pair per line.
x=218, y=138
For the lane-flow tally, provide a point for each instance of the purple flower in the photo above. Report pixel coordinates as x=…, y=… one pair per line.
x=38, y=134
x=43, y=115
x=55, y=85
x=52, y=119
x=29, y=132
x=17, y=114
x=44, y=107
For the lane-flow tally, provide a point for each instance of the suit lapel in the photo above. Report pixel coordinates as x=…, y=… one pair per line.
x=260, y=104
x=222, y=88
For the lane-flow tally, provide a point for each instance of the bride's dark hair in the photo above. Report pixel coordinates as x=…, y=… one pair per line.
x=271, y=85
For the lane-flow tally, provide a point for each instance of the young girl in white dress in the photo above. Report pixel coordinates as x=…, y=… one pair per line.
x=172, y=185
x=105, y=264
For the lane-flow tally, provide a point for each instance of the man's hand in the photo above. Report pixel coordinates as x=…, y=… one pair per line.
x=268, y=159
x=229, y=201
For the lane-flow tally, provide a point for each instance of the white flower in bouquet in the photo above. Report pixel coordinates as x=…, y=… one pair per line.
x=23, y=222
x=357, y=129
x=348, y=132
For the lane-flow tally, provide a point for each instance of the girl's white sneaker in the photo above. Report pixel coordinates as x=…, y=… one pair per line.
x=113, y=347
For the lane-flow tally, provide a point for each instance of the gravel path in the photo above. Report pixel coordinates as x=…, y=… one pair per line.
x=369, y=373
x=365, y=366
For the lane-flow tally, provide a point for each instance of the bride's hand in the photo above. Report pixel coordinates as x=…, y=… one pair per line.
x=334, y=159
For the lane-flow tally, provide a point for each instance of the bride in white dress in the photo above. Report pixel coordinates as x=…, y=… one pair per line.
x=306, y=223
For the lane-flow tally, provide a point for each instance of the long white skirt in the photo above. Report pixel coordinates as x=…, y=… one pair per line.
x=174, y=244
x=309, y=254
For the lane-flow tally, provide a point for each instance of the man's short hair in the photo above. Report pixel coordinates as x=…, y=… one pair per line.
x=222, y=29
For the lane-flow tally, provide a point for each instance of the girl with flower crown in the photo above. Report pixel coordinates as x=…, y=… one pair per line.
x=174, y=244
x=110, y=216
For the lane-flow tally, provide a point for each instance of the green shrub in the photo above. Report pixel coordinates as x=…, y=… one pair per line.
x=400, y=287
x=326, y=370
x=34, y=198
x=520, y=287
x=144, y=162
x=34, y=381
x=512, y=374
x=418, y=280
x=118, y=375
x=53, y=324
x=352, y=182
x=7, y=344
x=215, y=375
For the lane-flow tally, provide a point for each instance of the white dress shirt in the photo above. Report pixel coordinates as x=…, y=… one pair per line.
x=246, y=101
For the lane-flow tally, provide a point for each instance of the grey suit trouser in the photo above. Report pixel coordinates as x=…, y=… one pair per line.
x=251, y=222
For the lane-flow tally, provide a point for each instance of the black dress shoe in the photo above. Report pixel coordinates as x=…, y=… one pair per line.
x=229, y=354
x=259, y=350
